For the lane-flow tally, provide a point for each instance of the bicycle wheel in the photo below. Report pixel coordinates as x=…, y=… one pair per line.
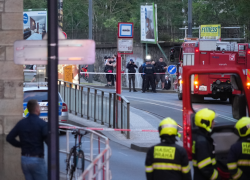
x=71, y=163
x=80, y=163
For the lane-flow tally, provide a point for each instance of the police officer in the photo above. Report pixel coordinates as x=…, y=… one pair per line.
x=239, y=154
x=203, y=148
x=167, y=160
x=149, y=71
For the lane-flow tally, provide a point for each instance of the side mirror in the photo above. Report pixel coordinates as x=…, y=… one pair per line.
x=239, y=106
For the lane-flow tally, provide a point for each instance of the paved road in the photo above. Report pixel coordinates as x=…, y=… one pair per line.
x=123, y=159
x=161, y=105
x=167, y=105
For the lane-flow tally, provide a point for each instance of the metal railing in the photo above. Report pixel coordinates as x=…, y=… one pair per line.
x=97, y=153
x=107, y=108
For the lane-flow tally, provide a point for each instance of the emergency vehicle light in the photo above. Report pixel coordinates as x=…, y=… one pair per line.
x=196, y=50
x=248, y=52
x=196, y=82
x=248, y=84
x=180, y=81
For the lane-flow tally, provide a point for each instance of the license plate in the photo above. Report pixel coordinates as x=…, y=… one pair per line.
x=203, y=88
x=44, y=118
x=43, y=108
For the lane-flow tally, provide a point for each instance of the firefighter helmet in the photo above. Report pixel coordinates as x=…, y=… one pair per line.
x=243, y=126
x=168, y=126
x=204, y=118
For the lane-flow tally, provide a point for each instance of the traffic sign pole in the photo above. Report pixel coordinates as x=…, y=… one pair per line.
x=53, y=143
x=118, y=74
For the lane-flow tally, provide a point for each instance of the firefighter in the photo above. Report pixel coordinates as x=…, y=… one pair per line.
x=149, y=71
x=239, y=154
x=204, y=162
x=167, y=160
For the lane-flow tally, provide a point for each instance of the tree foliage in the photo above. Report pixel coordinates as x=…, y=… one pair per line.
x=107, y=13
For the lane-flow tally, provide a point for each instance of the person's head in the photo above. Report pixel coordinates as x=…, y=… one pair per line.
x=131, y=60
x=105, y=57
x=168, y=127
x=166, y=77
x=112, y=58
x=33, y=107
x=109, y=57
x=161, y=59
x=243, y=126
x=204, y=118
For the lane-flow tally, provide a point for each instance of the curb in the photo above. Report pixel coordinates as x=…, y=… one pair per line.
x=140, y=147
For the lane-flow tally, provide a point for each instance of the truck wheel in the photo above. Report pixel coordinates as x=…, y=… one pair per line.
x=223, y=99
x=197, y=98
x=179, y=96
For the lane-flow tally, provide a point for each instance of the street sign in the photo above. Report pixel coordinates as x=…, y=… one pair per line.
x=125, y=30
x=172, y=69
x=125, y=45
x=70, y=52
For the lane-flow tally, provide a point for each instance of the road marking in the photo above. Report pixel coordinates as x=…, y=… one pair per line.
x=123, y=154
x=219, y=115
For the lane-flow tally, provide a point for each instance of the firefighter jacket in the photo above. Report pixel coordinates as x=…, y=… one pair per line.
x=167, y=160
x=239, y=159
x=204, y=162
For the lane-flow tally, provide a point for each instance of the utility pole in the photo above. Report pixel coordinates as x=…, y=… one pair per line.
x=190, y=18
x=90, y=67
x=53, y=143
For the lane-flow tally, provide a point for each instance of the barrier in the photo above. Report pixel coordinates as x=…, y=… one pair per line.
x=101, y=106
x=97, y=154
x=110, y=129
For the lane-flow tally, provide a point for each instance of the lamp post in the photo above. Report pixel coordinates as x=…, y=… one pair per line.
x=190, y=18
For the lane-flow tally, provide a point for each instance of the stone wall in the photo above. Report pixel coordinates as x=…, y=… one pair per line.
x=11, y=85
x=11, y=75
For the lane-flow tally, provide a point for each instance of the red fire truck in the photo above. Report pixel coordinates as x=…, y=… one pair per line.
x=223, y=133
x=213, y=53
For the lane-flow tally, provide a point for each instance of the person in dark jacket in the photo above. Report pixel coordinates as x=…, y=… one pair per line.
x=131, y=69
x=238, y=162
x=204, y=162
x=167, y=160
x=167, y=84
x=109, y=70
x=149, y=71
x=32, y=132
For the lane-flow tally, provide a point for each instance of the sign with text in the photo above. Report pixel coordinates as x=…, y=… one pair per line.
x=125, y=30
x=211, y=31
x=125, y=45
x=149, y=32
x=73, y=51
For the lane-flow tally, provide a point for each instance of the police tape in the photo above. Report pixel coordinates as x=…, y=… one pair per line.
x=110, y=129
x=114, y=73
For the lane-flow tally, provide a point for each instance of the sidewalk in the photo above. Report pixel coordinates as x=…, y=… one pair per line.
x=139, y=141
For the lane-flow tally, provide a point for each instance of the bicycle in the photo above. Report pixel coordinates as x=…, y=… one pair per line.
x=75, y=161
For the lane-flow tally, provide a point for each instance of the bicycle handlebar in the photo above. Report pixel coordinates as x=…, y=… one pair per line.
x=75, y=132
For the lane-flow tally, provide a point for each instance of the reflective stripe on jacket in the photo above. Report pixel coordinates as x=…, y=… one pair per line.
x=239, y=159
x=204, y=161
x=167, y=161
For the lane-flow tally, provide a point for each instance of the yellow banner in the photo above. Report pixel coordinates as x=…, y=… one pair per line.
x=164, y=152
x=211, y=31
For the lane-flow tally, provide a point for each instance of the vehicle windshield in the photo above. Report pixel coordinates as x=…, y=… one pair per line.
x=40, y=96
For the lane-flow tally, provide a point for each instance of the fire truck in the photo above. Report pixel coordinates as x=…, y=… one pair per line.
x=223, y=133
x=196, y=52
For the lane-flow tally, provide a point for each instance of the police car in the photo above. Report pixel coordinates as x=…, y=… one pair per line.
x=41, y=95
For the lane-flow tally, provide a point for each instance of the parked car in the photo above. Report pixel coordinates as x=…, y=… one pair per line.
x=41, y=95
